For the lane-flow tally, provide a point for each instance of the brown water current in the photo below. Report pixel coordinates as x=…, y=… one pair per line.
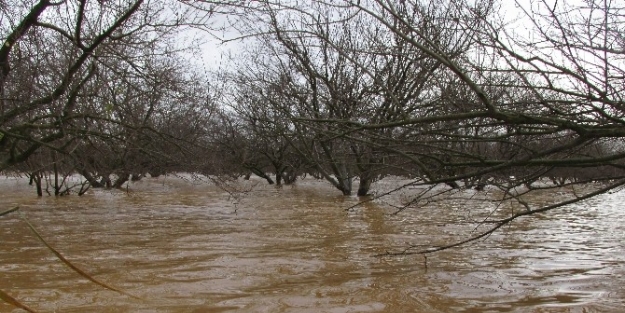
x=190, y=247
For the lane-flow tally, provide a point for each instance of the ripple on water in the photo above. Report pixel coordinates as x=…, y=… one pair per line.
x=188, y=248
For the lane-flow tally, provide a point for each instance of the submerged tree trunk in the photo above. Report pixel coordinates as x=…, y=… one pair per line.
x=57, y=188
x=345, y=183
x=364, y=185
x=290, y=177
x=346, y=186
x=106, y=181
x=279, y=169
x=452, y=184
x=258, y=172
x=121, y=180
x=35, y=177
x=92, y=181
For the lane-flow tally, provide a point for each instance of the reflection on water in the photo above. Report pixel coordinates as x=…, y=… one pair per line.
x=192, y=248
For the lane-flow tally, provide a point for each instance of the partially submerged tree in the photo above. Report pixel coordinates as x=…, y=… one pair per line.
x=319, y=63
x=454, y=90
x=446, y=92
x=102, y=83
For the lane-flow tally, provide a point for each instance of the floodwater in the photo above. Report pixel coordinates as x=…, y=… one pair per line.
x=182, y=246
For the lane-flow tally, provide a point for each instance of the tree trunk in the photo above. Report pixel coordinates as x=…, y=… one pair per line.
x=345, y=185
x=262, y=174
x=121, y=180
x=35, y=178
x=364, y=185
x=92, y=181
x=57, y=188
x=291, y=176
x=452, y=184
x=106, y=181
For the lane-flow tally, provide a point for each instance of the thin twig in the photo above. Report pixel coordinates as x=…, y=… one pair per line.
x=72, y=266
x=14, y=302
x=503, y=222
x=10, y=210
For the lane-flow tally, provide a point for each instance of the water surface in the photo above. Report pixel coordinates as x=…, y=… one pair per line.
x=191, y=247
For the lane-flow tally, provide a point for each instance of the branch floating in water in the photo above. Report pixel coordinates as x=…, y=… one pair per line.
x=14, y=302
x=72, y=266
x=10, y=210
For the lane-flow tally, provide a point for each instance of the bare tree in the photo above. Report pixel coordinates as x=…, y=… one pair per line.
x=109, y=76
x=328, y=65
x=453, y=91
x=542, y=100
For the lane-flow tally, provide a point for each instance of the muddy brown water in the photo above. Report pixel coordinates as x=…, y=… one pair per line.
x=190, y=247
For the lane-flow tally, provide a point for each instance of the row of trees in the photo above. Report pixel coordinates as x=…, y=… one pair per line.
x=480, y=91
x=348, y=91
x=439, y=91
x=102, y=88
